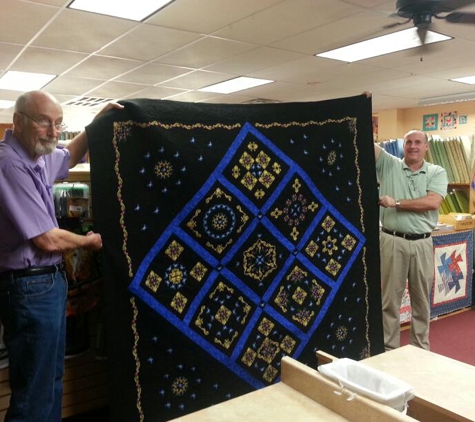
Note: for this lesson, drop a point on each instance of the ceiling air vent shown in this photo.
(89, 101)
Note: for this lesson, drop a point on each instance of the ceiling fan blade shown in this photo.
(461, 17)
(457, 4)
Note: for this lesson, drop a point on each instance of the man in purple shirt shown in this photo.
(33, 287)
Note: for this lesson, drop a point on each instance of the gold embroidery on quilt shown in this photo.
(270, 374)
(174, 250)
(257, 170)
(179, 386)
(135, 354)
(260, 260)
(153, 281)
(219, 221)
(222, 315)
(295, 209)
(179, 302)
(333, 267)
(163, 169)
(330, 245)
(198, 271)
(349, 242)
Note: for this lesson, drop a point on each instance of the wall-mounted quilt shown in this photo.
(233, 235)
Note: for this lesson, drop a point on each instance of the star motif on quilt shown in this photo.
(250, 266)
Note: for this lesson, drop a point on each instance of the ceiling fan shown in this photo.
(421, 13)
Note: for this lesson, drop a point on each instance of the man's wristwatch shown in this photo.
(398, 203)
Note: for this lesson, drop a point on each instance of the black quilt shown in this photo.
(233, 235)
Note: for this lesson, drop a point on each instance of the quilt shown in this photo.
(453, 256)
(233, 235)
(453, 277)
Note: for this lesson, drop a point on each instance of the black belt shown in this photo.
(407, 236)
(31, 271)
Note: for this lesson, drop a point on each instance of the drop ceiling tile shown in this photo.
(57, 3)
(235, 98)
(254, 60)
(286, 19)
(6, 94)
(455, 72)
(22, 20)
(437, 57)
(115, 90)
(205, 52)
(311, 70)
(207, 16)
(197, 79)
(358, 27)
(153, 73)
(191, 96)
(46, 60)
(75, 30)
(100, 67)
(7, 53)
(368, 3)
(426, 90)
(364, 80)
(148, 42)
(385, 102)
(157, 93)
(396, 83)
(278, 91)
(64, 85)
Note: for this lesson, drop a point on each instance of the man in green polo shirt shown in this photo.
(411, 191)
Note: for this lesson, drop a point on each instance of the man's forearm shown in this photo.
(59, 240)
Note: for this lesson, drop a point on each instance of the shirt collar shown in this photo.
(423, 169)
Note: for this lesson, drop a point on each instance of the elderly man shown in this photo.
(33, 287)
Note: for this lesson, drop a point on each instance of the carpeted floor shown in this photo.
(452, 336)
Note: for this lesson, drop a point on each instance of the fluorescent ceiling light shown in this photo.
(24, 81)
(445, 99)
(136, 10)
(6, 104)
(466, 80)
(379, 46)
(234, 85)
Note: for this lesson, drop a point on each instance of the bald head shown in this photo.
(34, 99)
(417, 132)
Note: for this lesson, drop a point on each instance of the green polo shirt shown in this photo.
(397, 180)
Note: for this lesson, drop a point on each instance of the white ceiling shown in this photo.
(194, 43)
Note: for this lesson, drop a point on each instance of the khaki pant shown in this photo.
(402, 260)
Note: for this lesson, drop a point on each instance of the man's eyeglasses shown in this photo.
(45, 123)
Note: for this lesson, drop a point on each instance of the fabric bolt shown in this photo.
(233, 235)
(33, 312)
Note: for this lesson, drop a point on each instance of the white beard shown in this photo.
(41, 149)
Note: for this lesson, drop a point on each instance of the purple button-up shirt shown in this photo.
(26, 203)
